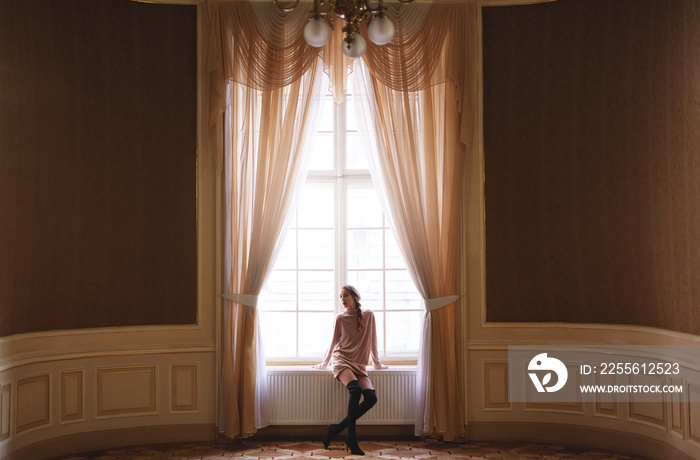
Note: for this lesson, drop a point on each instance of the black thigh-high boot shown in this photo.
(355, 391)
(368, 401)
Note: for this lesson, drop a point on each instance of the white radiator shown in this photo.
(309, 397)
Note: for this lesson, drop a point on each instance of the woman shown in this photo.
(354, 341)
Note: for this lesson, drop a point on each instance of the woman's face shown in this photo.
(346, 299)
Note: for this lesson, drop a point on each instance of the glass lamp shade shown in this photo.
(380, 30)
(317, 32)
(355, 49)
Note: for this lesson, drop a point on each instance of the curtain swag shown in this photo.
(258, 45)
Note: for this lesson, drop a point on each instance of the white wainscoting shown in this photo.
(659, 430)
(55, 405)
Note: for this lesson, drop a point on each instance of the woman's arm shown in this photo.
(334, 342)
(373, 351)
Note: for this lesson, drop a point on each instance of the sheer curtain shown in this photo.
(269, 120)
(417, 167)
(264, 169)
(422, 118)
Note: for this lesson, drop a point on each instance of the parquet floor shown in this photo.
(374, 450)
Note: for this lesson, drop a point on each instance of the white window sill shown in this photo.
(308, 368)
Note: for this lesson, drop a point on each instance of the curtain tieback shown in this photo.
(249, 300)
(439, 302)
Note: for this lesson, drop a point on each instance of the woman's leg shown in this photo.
(347, 377)
(366, 383)
(369, 400)
(369, 396)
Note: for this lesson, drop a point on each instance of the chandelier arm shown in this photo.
(330, 11)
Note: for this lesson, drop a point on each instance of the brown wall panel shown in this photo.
(592, 162)
(97, 164)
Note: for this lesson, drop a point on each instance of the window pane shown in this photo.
(316, 206)
(287, 257)
(355, 156)
(315, 330)
(403, 332)
(352, 113)
(365, 249)
(379, 318)
(327, 118)
(316, 290)
(316, 249)
(370, 284)
(299, 300)
(394, 257)
(279, 291)
(279, 333)
(321, 156)
(401, 293)
(363, 208)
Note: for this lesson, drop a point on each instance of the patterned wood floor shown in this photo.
(374, 450)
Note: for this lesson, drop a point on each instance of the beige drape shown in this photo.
(256, 44)
(264, 168)
(421, 90)
(425, 107)
(418, 169)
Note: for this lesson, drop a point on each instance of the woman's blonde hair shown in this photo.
(356, 297)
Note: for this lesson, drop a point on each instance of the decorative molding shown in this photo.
(72, 396)
(677, 410)
(16, 361)
(184, 388)
(606, 409)
(5, 413)
(571, 407)
(575, 407)
(126, 391)
(693, 412)
(33, 402)
(653, 413)
(495, 385)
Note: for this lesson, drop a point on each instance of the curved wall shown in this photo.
(592, 176)
(547, 231)
(63, 392)
(129, 363)
(98, 128)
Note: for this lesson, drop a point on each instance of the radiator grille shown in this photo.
(315, 397)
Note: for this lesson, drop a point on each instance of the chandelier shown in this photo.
(318, 30)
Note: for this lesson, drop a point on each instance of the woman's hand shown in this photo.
(319, 366)
(381, 366)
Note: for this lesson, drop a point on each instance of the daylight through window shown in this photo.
(338, 235)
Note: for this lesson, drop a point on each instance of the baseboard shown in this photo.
(316, 432)
(110, 439)
(576, 436)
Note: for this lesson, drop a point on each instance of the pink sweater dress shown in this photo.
(351, 348)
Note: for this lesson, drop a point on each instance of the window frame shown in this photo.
(343, 178)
